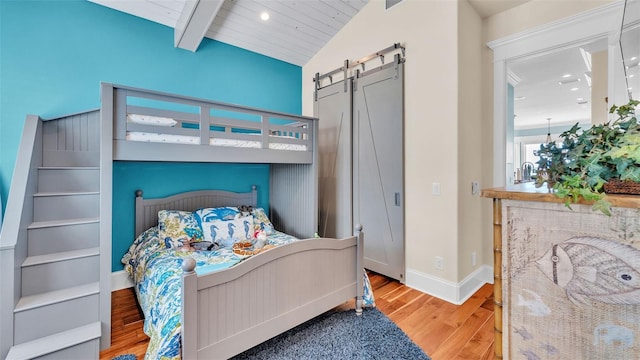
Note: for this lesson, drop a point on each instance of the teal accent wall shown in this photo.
(55, 53)
(155, 180)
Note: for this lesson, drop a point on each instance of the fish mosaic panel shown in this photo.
(571, 282)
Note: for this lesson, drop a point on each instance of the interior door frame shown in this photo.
(601, 22)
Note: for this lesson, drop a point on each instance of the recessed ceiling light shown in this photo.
(566, 76)
(574, 89)
(631, 75)
(264, 16)
(633, 58)
(568, 81)
(520, 98)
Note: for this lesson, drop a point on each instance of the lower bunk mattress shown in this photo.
(157, 275)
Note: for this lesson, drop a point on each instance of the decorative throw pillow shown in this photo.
(175, 228)
(228, 232)
(219, 213)
(261, 221)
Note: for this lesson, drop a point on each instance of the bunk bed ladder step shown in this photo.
(55, 311)
(77, 343)
(63, 235)
(61, 179)
(64, 205)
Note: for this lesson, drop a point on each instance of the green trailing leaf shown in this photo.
(583, 161)
(603, 206)
(631, 173)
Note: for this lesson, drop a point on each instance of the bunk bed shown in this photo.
(226, 310)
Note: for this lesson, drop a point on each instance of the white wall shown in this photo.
(471, 208)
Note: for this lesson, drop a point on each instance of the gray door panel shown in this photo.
(333, 108)
(378, 176)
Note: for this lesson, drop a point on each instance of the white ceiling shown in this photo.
(295, 32)
(487, 8)
(539, 95)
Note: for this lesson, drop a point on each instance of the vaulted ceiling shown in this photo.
(295, 31)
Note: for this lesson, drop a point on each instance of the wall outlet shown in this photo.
(438, 262)
(474, 260)
(435, 189)
(475, 187)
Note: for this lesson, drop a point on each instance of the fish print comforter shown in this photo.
(157, 274)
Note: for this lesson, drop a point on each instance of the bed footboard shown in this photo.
(229, 311)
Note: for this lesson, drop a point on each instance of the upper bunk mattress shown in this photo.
(186, 139)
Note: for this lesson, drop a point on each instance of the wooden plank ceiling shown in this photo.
(294, 32)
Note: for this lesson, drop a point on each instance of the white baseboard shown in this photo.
(120, 280)
(455, 293)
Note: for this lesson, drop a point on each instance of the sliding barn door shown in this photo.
(333, 108)
(378, 171)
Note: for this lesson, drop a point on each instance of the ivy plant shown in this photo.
(579, 166)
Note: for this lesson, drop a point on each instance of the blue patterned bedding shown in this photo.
(157, 273)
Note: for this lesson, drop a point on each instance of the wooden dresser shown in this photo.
(567, 281)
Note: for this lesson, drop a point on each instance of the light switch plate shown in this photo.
(435, 189)
(475, 187)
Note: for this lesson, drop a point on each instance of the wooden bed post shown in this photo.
(189, 309)
(360, 269)
(497, 275)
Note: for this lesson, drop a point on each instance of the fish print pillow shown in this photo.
(218, 213)
(175, 228)
(261, 221)
(228, 232)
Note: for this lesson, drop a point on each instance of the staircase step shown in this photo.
(52, 297)
(60, 256)
(59, 342)
(51, 179)
(50, 272)
(65, 205)
(37, 322)
(69, 168)
(65, 193)
(63, 235)
(63, 222)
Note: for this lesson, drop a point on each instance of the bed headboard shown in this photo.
(147, 209)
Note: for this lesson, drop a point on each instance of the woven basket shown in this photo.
(617, 186)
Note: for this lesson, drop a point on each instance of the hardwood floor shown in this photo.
(443, 330)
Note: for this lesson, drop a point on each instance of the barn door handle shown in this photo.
(397, 199)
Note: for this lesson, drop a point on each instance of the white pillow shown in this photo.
(228, 232)
(151, 120)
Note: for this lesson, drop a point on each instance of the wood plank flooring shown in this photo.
(443, 330)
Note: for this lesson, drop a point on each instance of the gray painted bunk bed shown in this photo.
(56, 239)
(281, 279)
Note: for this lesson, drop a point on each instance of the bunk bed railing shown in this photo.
(13, 235)
(143, 119)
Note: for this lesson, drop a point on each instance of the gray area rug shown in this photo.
(340, 335)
